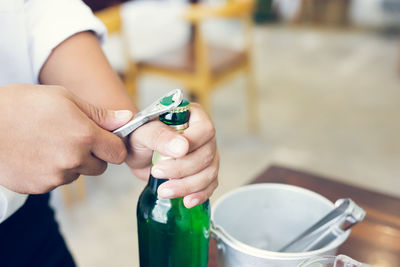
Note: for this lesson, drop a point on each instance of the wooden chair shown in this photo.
(201, 67)
(198, 66)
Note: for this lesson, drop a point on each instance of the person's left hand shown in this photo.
(193, 171)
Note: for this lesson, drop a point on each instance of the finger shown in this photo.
(139, 158)
(108, 147)
(190, 164)
(105, 118)
(199, 197)
(158, 137)
(182, 187)
(201, 129)
(142, 174)
(92, 166)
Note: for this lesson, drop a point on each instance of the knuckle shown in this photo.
(117, 153)
(215, 184)
(86, 135)
(204, 195)
(185, 189)
(210, 128)
(60, 89)
(179, 172)
(57, 180)
(211, 189)
(121, 154)
(74, 163)
(50, 182)
(208, 157)
(213, 174)
(217, 160)
(71, 162)
(97, 114)
(159, 136)
(38, 189)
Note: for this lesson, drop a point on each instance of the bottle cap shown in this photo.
(184, 106)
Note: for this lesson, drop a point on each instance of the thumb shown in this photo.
(105, 118)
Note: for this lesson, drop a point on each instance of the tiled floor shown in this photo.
(329, 103)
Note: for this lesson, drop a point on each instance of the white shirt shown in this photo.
(29, 30)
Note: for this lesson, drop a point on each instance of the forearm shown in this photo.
(79, 65)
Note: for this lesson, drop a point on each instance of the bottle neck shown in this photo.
(178, 119)
(154, 183)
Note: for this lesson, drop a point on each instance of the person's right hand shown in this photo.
(48, 137)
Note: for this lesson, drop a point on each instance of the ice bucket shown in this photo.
(252, 223)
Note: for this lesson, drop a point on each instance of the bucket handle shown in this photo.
(217, 232)
(223, 239)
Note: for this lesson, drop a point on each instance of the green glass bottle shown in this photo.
(170, 235)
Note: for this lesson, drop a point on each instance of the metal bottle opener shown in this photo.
(345, 215)
(152, 111)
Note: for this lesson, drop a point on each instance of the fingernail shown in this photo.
(177, 146)
(157, 172)
(123, 115)
(165, 193)
(191, 203)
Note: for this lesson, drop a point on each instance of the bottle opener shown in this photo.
(152, 111)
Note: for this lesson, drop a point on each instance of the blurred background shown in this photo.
(308, 84)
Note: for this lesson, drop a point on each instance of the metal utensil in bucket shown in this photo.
(252, 223)
(345, 215)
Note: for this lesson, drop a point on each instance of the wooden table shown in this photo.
(376, 240)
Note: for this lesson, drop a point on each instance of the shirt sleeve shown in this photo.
(10, 202)
(50, 22)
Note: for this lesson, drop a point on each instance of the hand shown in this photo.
(194, 169)
(48, 137)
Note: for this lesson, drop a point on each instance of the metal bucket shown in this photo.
(251, 223)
